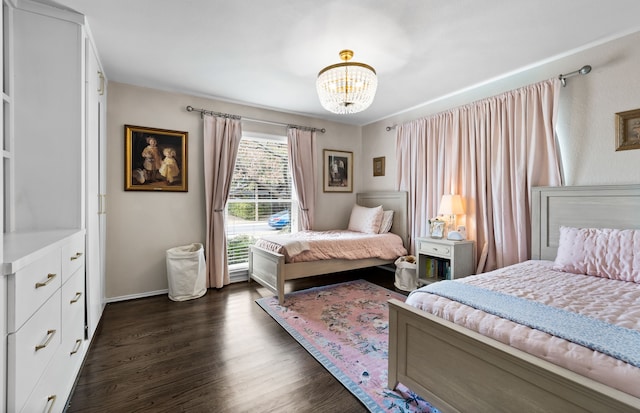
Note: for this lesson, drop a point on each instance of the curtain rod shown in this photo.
(563, 79)
(269, 122)
(582, 71)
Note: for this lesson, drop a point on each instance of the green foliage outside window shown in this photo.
(239, 245)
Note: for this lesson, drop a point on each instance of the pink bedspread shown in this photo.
(617, 302)
(325, 245)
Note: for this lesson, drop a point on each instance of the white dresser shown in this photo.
(51, 286)
(45, 310)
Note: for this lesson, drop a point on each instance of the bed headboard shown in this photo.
(395, 200)
(607, 206)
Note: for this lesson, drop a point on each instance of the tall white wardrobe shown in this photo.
(53, 178)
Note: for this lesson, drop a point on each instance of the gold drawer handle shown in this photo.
(50, 278)
(76, 298)
(51, 399)
(75, 257)
(50, 334)
(77, 347)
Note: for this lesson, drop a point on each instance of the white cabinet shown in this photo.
(53, 199)
(6, 126)
(95, 186)
(45, 318)
(48, 116)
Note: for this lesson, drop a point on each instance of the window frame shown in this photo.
(239, 272)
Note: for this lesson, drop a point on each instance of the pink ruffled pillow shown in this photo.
(603, 252)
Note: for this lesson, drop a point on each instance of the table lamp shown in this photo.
(451, 205)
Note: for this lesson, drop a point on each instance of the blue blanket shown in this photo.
(619, 342)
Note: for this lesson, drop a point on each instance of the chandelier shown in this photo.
(346, 87)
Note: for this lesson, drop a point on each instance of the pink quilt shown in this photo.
(613, 301)
(337, 244)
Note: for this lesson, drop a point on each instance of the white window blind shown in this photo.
(260, 188)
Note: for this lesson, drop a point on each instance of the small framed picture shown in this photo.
(337, 171)
(155, 159)
(628, 130)
(378, 166)
(437, 229)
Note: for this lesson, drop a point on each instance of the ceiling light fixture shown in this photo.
(347, 87)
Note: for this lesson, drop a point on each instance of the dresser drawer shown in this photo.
(72, 256)
(432, 248)
(73, 298)
(30, 350)
(72, 348)
(31, 286)
(49, 393)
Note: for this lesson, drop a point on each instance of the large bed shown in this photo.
(271, 269)
(460, 370)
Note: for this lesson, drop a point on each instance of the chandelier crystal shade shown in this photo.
(347, 87)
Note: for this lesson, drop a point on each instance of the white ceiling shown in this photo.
(267, 53)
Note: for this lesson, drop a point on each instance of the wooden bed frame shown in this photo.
(459, 370)
(270, 270)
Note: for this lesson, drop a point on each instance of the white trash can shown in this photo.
(406, 274)
(186, 272)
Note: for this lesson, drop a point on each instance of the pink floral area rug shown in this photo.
(345, 327)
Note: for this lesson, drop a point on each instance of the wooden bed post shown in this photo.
(280, 282)
(392, 378)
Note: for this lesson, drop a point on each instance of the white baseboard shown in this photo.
(134, 296)
(234, 278)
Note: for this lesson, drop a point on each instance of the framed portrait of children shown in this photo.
(337, 171)
(155, 159)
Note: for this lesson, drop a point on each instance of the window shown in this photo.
(260, 200)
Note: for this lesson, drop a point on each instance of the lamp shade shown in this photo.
(451, 205)
(347, 87)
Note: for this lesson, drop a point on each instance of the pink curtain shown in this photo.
(491, 152)
(221, 140)
(302, 160)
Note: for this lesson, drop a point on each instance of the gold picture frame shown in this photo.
(628, 130)
(155, 159)
(378, 166)
(337, 171)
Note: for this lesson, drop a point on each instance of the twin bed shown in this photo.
(271, 268)
(462, 359)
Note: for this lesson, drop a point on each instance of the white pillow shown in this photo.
(365, 219)
(387, 222)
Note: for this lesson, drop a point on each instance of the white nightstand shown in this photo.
(442, 259)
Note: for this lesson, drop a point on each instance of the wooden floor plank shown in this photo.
(219, 353)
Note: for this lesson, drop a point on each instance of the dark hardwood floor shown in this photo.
(219, 353)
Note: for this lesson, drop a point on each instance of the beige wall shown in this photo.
(586, 132)
(141, 226)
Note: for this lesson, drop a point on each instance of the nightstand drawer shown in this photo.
(437, 250)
